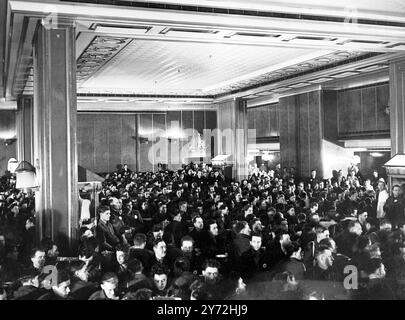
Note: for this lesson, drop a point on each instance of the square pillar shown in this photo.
(397, 106)
(54, 117)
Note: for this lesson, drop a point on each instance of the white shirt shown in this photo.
(85, 210)
(382, 198)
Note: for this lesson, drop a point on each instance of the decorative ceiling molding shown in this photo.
(97, 54)
(317, 63)
(350, 41)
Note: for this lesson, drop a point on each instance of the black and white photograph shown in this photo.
(221, 151)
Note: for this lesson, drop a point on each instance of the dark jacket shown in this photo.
(29, 293)
(295, 266)
(197, 237)
(178, 229)
(394, 208)
(106, 236)
(241, 244)
(82, 290)
(138, 282)
(251, 262)
(345, 242)
(274, 254)
(143, 255)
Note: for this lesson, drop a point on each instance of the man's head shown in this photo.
(396, 190)
(321, 233)
(198, 222)
(294, 250)
(362, 217)
(248, 209)
(105, 213)
(121, 254)
(160, 275)
(140, 241)
(183, 206)
(328, 243)
(159, 248)
(115, 204)
(211, 271)
(256, 241)
(79, 270)
(376, 269)
(157, 231)
(50, 247)
(243, 227)
(381, 186)
(324, 258)
(62, 286)
(213, 227)
(187, 245)
(283, 238)
(355, 227)
(109, 283)
(37, 258)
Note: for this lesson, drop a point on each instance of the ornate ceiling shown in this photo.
(250, 49)
(151, 67)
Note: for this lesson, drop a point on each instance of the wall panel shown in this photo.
(361, 111)
(108, 139)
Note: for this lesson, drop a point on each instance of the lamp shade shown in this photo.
(25, 176)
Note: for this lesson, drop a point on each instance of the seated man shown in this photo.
(51, 251)
(138, 279)
(241, 243)
(294, 264)
(60, 288)
(81, 288)
(109, 285)
(159, 257)
(105, 233)
(276, 251)
(120, 265)
(30, 287)
(138, 251)
(37, 257)
(322, 269)
(194, 256)
(252, 262)
(160, 280)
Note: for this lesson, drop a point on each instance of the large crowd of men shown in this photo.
(192, 234)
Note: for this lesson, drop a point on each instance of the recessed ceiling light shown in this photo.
(345, 74)
(319, 80)
(281, 89)
(376, 154)
(264, 93)
(299, 85)
(372, 68)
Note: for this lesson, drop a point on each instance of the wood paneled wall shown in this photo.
(361, 111)
(108, 139)
(301, 132)
(265, 120)
(7, 131)
(288, 132)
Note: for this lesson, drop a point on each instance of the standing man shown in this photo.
(382, 197)
(394, 207)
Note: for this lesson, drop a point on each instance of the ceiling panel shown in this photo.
(166, 67)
